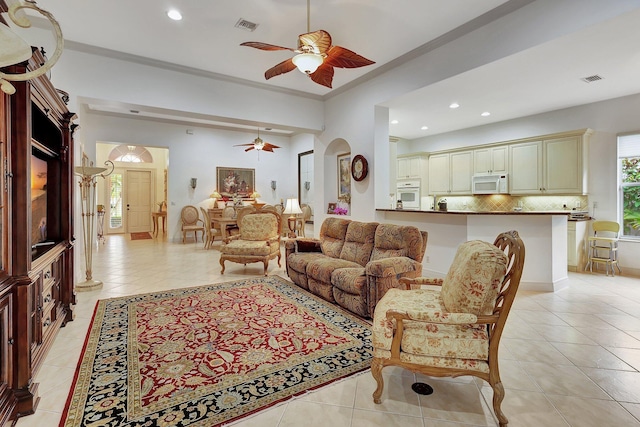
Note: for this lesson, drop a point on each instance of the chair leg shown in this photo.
(266, 265)
(498, 395)
(376, 371)
(222, 264)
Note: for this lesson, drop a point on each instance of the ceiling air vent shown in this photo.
(246, 25)
(592, 79)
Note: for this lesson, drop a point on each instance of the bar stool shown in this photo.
(603, 247)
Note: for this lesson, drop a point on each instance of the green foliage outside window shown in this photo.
(631, 196)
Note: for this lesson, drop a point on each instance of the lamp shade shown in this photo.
(292, 207)
(215, 195)
(307, 63)
(255, 195)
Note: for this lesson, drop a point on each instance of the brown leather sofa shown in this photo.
(354, 263)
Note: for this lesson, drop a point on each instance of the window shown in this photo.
(629, 181)
(130, 154)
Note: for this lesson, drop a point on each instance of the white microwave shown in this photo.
(490, 184)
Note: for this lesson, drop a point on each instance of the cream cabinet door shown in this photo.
(563, 165)
(461, 168)
(439, 174)
(491, 160)
(409, 167)
(525, 168)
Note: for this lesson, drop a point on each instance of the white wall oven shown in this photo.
(409, 193)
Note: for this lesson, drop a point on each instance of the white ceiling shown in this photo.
(380, 30)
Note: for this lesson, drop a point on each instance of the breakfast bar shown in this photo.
(544, 235)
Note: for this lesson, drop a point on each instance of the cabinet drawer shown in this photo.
(49, 315)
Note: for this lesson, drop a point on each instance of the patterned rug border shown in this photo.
(284, 286)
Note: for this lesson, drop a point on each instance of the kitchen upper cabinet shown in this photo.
(563, 171)
(450, 173)
(525, 176)
(491, 160)
(550, 166)
(411, 167)
(439, 173)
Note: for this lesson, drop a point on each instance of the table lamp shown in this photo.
(216, 196)
(292, 208)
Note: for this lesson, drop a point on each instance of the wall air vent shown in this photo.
(592, 79)
(246, 25)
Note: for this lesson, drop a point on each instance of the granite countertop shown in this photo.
(467, 212)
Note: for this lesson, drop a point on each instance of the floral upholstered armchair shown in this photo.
(454, 330)
(257, 241)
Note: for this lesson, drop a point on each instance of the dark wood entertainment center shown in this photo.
(36, 232)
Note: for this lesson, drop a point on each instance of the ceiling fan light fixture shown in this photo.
(307, 63)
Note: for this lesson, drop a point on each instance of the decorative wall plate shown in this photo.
(359, 168)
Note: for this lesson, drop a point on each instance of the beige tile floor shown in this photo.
(569, 358)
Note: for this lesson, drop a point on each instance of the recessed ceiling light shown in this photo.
(454, 105)
(394, 122)
(174, 14)
(424, 127)
(485, 114)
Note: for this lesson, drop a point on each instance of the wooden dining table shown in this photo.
(222, 224)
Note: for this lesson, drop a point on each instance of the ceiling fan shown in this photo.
(258, 144)
(316, 56)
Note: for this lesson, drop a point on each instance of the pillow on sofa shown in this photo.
(358, 242)
(332, 235)
(474, 278)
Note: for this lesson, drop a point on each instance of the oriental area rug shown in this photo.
(209, 355)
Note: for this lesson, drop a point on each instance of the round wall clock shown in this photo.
(359, 168)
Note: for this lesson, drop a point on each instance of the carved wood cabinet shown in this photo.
(36, 233)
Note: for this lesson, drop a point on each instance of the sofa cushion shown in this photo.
(397, 240)
(320, 269)
(298, 261)
(358, 242)
(332, 234)
(350, 280)
(473, 281)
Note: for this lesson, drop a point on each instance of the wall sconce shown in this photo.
(273, 185)
(307, 185)
(194, 182)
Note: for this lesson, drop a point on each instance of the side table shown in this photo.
(155, 216)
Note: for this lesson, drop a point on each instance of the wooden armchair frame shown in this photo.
(509, 242)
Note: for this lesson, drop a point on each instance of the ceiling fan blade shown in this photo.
(341, 57)
(250, 148)
(283, 67)
(241, 145)
(323, 75)
(266, 148)
(268, 144)
(265, 46)
(319, 40)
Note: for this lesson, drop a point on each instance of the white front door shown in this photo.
(138, 194)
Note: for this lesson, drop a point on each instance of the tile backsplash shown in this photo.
(505, 202)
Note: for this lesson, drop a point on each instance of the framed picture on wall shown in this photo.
(344, 175)
(331, 207)
(235, 180)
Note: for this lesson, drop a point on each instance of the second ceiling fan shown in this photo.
(316, 56)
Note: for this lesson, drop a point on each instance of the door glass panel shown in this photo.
(115, 206)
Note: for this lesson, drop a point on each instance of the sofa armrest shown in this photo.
(393, 266)
(302, 244)
(383, 274)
